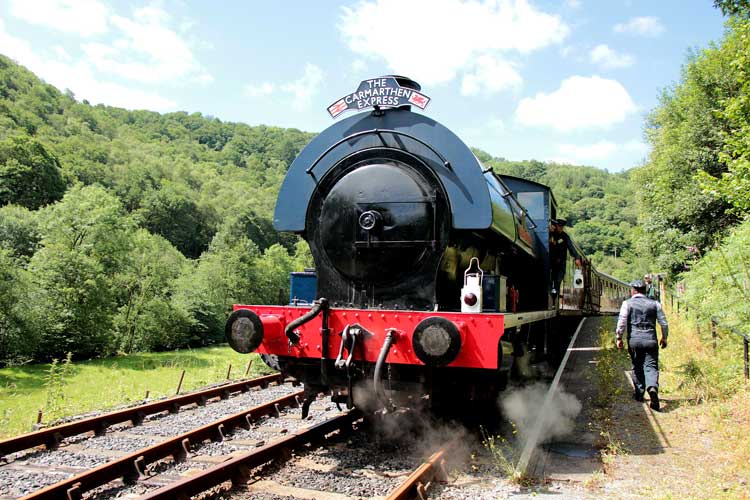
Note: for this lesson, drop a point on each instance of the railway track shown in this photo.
(51, 437)
(149, 472)
(133, 466)
(238, 469)
(419, 482)
(268, 472)
(262, 452)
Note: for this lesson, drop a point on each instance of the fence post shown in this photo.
(678, 306)
(179, 384)
(713, 332)
(671, 302)
(229, 371)
(747, 361)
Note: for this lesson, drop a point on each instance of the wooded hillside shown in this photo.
(130, 230)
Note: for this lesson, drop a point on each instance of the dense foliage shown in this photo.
(719, 284)
(695, 186)
(125, 230)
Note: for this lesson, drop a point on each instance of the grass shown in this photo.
(608, 369)
(697, 447)
(66, 388)
(715, 395)
(694, 370)
(606, 376)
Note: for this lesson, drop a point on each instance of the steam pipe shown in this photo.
(325, 333)
(317, 307)
(390, 337)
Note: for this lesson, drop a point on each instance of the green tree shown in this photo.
(718, 284)
(29, 175)
(244, 221)
(733, 185)
(687, 132)
(85, 238)
(19, 231)
(739, 8)
(18, 336)
(147, 319)
(224, 275)
(171, 213)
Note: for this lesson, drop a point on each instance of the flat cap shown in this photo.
(638, 284)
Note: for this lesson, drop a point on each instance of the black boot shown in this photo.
(654, 395)
(638, 396)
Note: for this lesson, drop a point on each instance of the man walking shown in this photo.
(638, 317)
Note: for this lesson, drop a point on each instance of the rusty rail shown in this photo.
(133, 466)
(419, 481)
(52, 436)
(237, 469)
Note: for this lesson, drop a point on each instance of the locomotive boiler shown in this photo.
(431, 275)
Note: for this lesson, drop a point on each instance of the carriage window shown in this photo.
(534, 203)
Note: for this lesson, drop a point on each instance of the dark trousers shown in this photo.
(644, 355)
(558, 274)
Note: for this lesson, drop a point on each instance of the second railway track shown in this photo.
(93, 441)
(265, 458)
(51, 437)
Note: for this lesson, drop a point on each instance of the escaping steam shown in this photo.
(415, 427)
(525, 407)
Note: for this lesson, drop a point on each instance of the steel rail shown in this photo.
(531, 446)
(419, 481)
(133, 466)
(52, 436)
(237, 470)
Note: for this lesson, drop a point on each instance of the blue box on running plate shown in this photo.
(302, 287)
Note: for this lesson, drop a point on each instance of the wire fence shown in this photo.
(683, 307)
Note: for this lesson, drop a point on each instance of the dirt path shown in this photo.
(680, 452)
(621, 449)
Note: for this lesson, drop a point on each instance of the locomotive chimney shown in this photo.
(405, 82)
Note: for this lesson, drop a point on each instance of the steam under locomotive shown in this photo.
(432, 273)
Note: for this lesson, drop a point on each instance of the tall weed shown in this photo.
(693, 381)
(55, 382)
(504, 457)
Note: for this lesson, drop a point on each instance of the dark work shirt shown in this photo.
(561, 244)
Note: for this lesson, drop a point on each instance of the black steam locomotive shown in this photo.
(433, 273)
